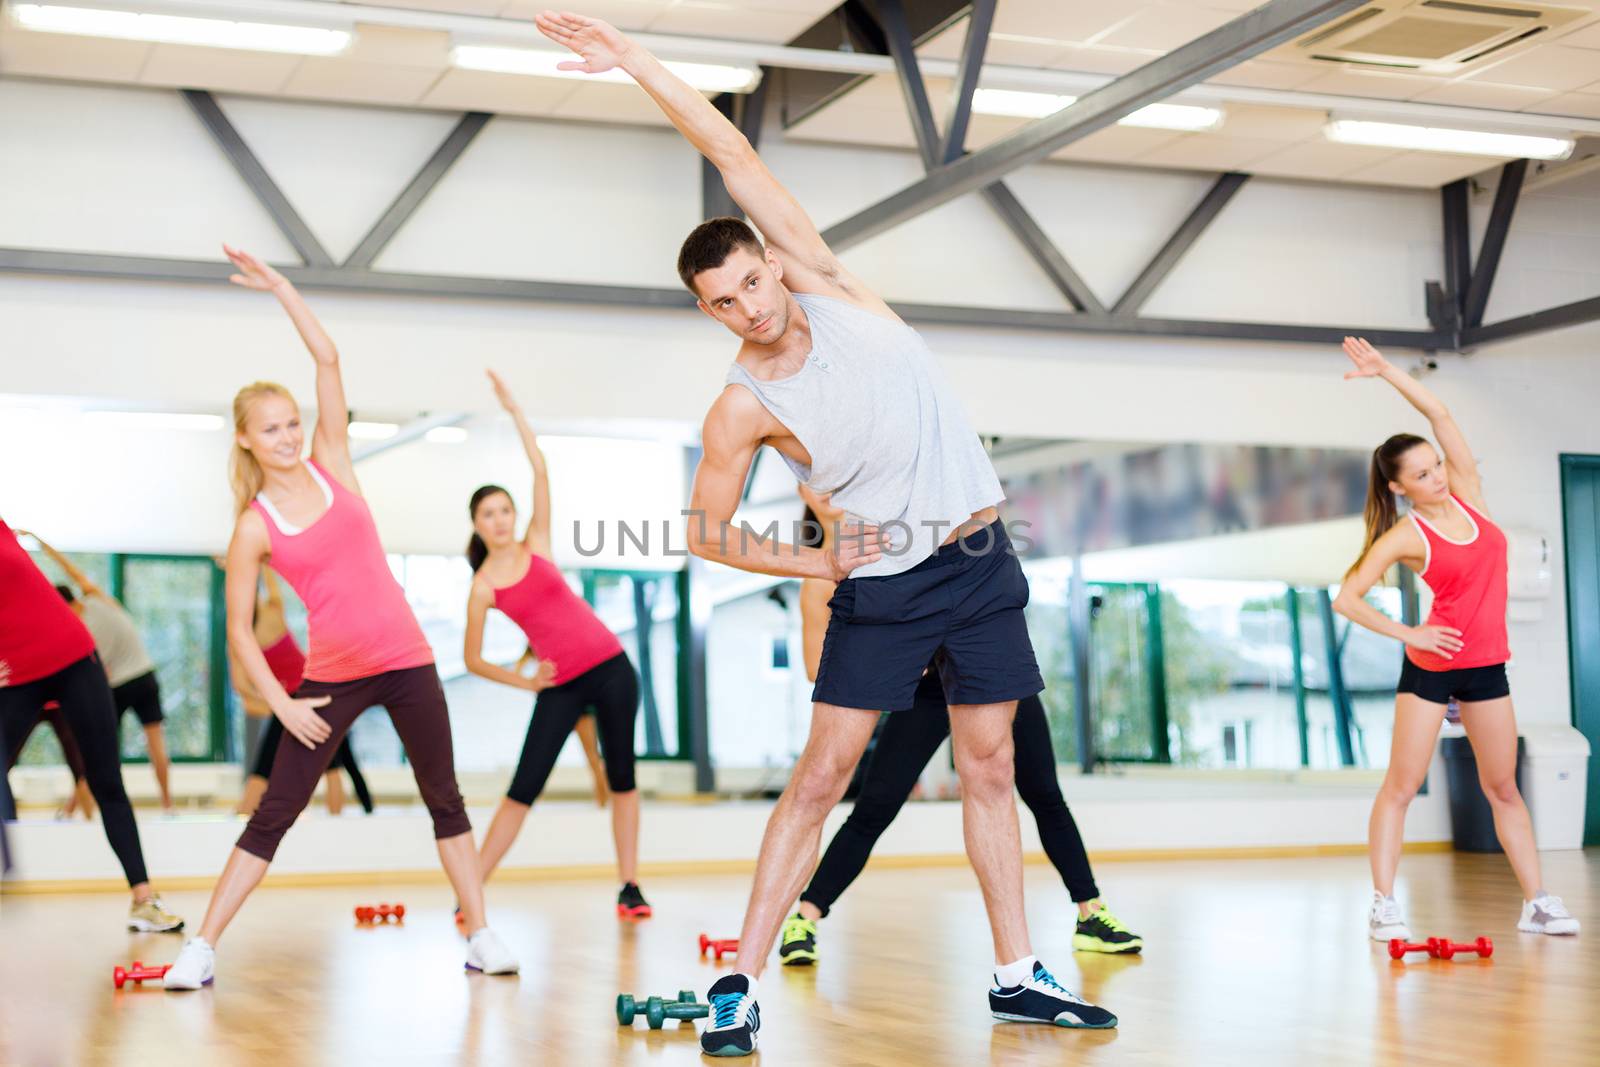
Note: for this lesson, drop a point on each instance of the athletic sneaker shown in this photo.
(487, 953)
(631, 903)
(194, 967)
(1546, 914)
(1386, 921)
(1042, 999)
(798, 945)
(735, 1018)
(152, 917)
(1104, 932)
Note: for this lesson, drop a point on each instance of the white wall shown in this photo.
(1281, 251)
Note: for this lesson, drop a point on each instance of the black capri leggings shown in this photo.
(345, 757)
(416, 705)
(85, 698)
(612, 690)
(908, 740)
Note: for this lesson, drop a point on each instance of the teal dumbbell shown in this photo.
(658, 1010)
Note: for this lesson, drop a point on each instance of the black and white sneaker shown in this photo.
(735, 1018)
(1041, 999)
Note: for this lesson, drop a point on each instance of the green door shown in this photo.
(1580, 503)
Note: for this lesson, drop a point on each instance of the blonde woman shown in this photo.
(309, 518)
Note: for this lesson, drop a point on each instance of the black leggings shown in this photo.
(17, 739)
(85, 699)
(908, 740)
(267, 751)
(612, 690)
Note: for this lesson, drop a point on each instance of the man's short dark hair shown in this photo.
(709, 245)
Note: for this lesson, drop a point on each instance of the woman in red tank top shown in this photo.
(1460, 652)
(581, 664)
(366, 648)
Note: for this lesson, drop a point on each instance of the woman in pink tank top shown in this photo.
(581, 664)
(1460, 652)
(310, 521)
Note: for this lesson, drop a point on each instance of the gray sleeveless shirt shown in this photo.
(884, 431)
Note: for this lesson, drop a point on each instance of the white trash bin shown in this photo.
(1555, 779)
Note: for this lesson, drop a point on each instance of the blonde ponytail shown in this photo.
(244, 473)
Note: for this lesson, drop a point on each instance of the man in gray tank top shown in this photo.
(829, 377)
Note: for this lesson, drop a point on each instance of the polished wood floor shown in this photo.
(1248, 962)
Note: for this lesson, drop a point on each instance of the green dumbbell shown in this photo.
(658, 1010)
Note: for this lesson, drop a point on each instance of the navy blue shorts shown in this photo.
(965, 600)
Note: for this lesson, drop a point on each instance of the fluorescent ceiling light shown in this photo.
(180, 29)
(1444, 139)
(706, 77)
(445, 435)
(1016, 103)
(373, 431)
(154, 420)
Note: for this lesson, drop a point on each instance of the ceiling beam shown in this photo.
(1225, 47)
(265, 190)
(417, 190)
(1506, 195)
(1178, 245)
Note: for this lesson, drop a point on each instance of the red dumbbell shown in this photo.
(366, 913)
(1443, 948)
(1399, 948)
(138, 974)
(728, 945)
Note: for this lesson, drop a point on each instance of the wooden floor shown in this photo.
(1248, 962)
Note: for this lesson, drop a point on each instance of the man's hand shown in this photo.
(600, 44)
(857, 546)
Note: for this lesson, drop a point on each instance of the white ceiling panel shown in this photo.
(512, 94)
(1379, 84)
(1091, 59)
(454, 7)
(1587, 37)
(1548, 67)
(734, 21)
(1583, 105)
(1320, 159)
(1425, 169)
(1486, 95)
(1117, 144)
(225, 69)
(1164, 27)
(623, 14)
(338, 78)
(1284, 124)
(1265, 74)
(53, 55)
(610, 103)
(1210, 151)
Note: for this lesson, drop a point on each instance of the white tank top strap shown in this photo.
(285, 527)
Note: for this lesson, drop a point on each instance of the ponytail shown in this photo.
(477, 551)
(244, 473)
(1382, 512)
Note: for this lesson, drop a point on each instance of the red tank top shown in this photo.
(1468, 579)
(39, 634)
(358, 620)
(288, 663)
(560, 625)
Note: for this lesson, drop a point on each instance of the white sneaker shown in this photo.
(194, 967)
(1386, 921)
(1546, 914)
(487, 953)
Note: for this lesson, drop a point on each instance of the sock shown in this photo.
(1011, 975)
(751, 979)
(1538, 896)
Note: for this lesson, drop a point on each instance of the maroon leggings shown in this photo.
(415, 702)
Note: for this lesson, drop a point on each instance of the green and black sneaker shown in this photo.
(798, 947)
(1104, 932)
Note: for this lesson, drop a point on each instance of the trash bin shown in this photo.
(1471, 818)
(1557, 775)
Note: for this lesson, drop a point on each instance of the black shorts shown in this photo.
(1468, 685)
(140, 695)
(965, 600)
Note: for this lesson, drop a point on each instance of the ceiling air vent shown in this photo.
(1444, 37)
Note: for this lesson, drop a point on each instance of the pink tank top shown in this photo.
(358, 620)
(560, 625)
(1468, 579)
(288, 663)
